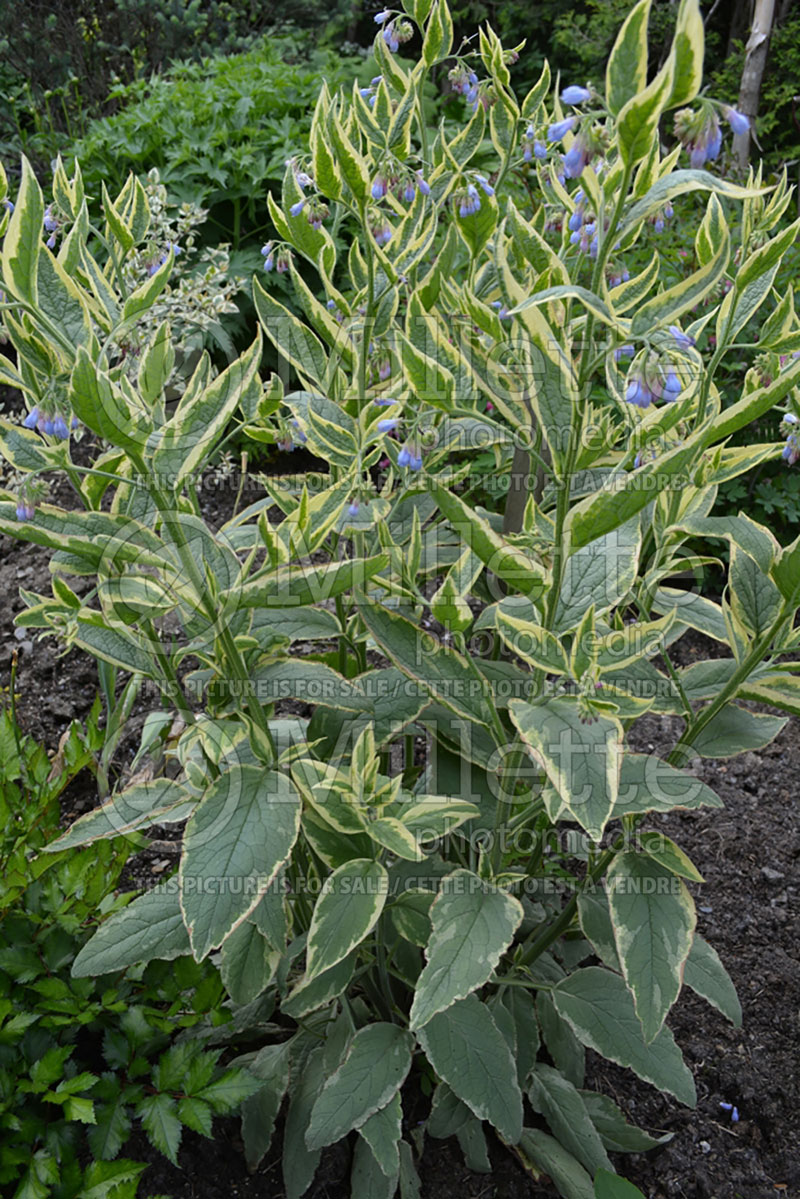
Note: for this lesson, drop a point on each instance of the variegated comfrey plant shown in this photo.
(473, 918)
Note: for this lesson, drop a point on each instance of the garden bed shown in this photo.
(749, 855)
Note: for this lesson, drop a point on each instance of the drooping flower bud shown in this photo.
(575, 95)
(672, 386)
(638, 393)
(682, 339)
(738, 121)
(559, 128)
(31, 419)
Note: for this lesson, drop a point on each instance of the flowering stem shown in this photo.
(236, 663)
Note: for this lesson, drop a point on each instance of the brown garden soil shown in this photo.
(749, 855)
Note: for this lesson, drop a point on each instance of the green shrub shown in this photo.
(476, 920)
(81, 1059)
(59, 60)
(218, 131)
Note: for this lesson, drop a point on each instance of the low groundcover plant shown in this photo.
(478, 919)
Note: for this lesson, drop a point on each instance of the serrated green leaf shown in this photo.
(150, 927)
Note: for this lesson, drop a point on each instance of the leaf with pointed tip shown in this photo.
(706, 975)
(467, 1050)
(473, 925)
(239, 836)
(150, 927)
(346, 911)
(654, 918)
(599, 1008)
(374, 1068)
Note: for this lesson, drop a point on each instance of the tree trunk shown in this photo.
(754, 63)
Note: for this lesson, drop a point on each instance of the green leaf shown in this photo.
(103, 1179)
(112, 1128)
(260, 1111)
(102, 407)
(310, 994)
(187, 441)
(367, 1179)
(507, 561)
(582, 761)
(626, 71)
(346, 911)
(637, 121)
(754, 598)
(150, 927)
(235, 843)
(161, 1124)
(467, 1050)
(678, 183)
(611, 1186)
(294, 587)
(601, 573)
(649, 784)
(545, 1153)
(382, 1133)
(293, 339)
(158, 802)
(562, 1106)
(23, 239)
(247, 963)
(375, 1066)
(735, 730)
(227, 1092)
(300, 1163)
(563, 1046)
(599, 1008)
(706, 975)
(666, 307)
(654, 919)
(442, 672)
(79, 1109)
(688, 46)
(616, 1133)
(473, 925)
(438, 35)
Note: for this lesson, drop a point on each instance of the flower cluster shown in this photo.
(533, 147)
(700, 133)
(660, 382)
(464, 82)
(394, 31)
(51, 226)
(51, 424)
(155, 264)
(370, 93)
(410, 456)
(279, 259)
(791, 451)
(469, 201)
